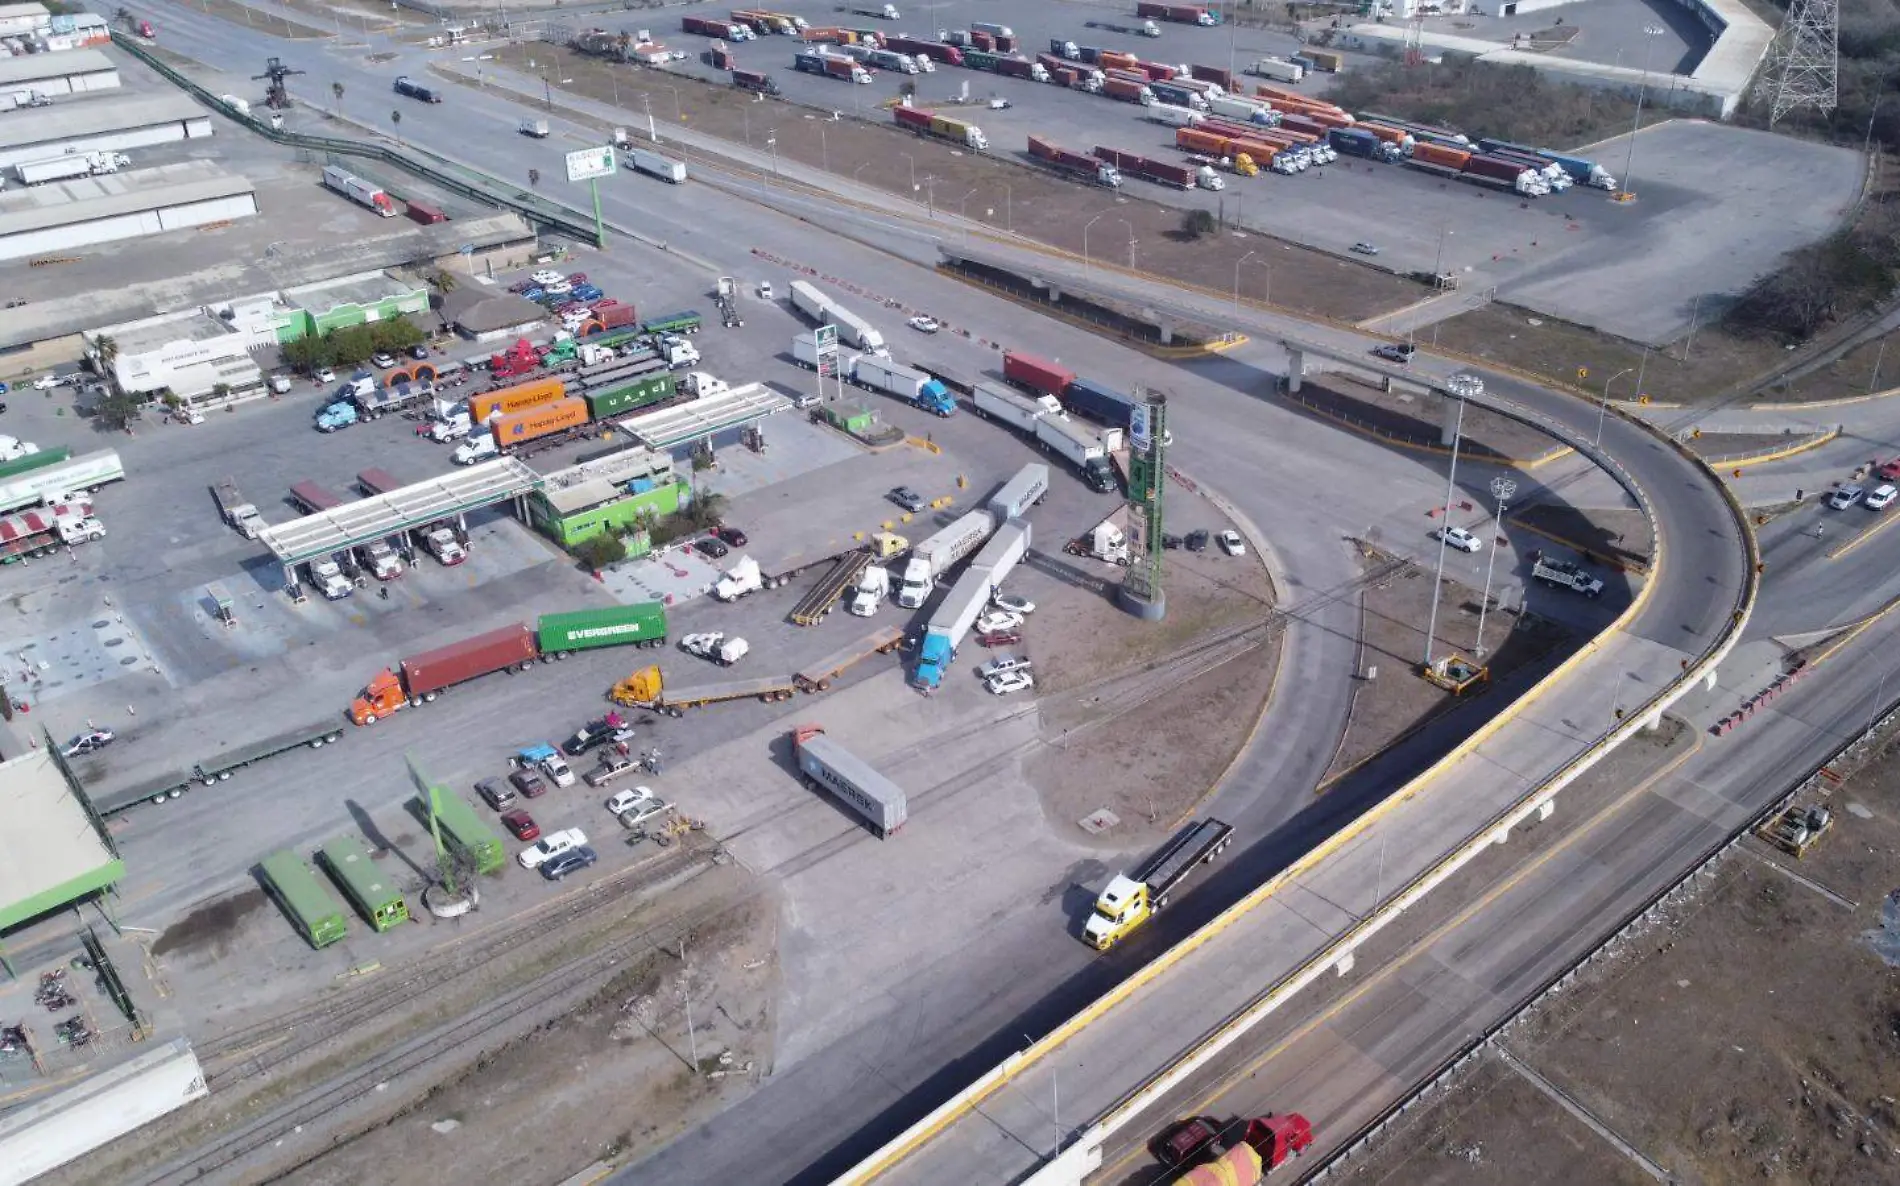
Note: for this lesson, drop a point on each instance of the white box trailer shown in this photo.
(46, 485)
(1020, 493)
(44, 1134)
(857, 331)
(855, 783)
(655, 165)
(995, 402)
(814, 304)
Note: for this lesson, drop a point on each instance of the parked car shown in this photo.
(383, 359)
(1170, 542)
(630, 799)
(1196, 540)
(731, 535)
(924, 325)
(528, 783)
(1010, 603)
(765, 290)
(595, 732)
(612, 766)
(999, 638)
(1232, 544)
(521, 286)
(550, 846)
(998, 620)
(1364, 248)
(1845, 497)
(710, 546)
(325, 375)
(1881, 498)
(1458, 537)
(907, 498)
(419, 353)
(577, 277)
(571, 861)
(643, 811)
(496, 793)
(1002, 665)
(1012, 681)
(521, 825)
(91, 741)
(47, 382)
(545, 277)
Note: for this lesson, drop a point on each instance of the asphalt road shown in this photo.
(1026, 981)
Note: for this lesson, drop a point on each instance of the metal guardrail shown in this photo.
(457, 179)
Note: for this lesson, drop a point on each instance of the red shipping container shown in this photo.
(426, 214)
(434, 670)
(1036, 374)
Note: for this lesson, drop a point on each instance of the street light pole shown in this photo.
(1237, 267)
(1501, 489)
(1131, 242)
(1085, 240)
(1650, 33)
(1463, 386)
(913, 170)
(1603, 408)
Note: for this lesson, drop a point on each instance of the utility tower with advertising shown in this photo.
(1142, 594)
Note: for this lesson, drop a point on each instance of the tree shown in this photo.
(707, 508)
(336, 91)
(443, 281)
(106, 350)
(1196, 223)
(395, 117)
(118, 409)
(600, 551)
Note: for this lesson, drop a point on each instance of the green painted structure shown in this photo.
(348, 862)
(313, 910)
(641, 624)
(465, 831)
(569, 526)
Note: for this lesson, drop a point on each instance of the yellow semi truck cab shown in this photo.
(1128, 901)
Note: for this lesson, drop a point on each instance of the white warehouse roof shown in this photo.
(28, 68)
(66, 208)
(90, 117)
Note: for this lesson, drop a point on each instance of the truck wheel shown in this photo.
(369, 718)
(1161, 903)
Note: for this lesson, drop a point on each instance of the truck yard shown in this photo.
(694, 810)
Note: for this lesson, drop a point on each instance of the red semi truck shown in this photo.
(1237, 1153)
(426, 676)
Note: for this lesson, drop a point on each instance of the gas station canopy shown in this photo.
(415, 505)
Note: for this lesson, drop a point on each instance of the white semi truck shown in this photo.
(934, 557)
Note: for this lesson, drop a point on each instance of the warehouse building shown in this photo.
(72, 73)
(101, 125)
(485, 314)
(350, 300)
(44, 221)
(21, 20)
(611, 493)
(55, 851)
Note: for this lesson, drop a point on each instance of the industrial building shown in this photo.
(31, 29)
(484, 314)
(608, 494)
(51, 75)
(55, 851)
(22, 20)
(65, 216)
(350, 300)
(101, 124)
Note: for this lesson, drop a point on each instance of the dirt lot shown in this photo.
(474, 1045)
(1752, 1039)
(1411, 420)
(1556, 350)
(1867, 368)
(1197, 673)
(1392, 638)
(1620, 537)
(1034, 203)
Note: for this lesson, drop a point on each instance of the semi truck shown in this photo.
(1162, 172)
(831, 767)
(1020, 493)
(378, 402)
(887, 59)
(707, 26)
(876, 373)
(1582, 171)
(1185, 14)
(237, 510)
(1074, 164)
(1129, 900)
(421, 678)
(935, 556)
(39, 531)
(1038, 376)
(410, 88)
(646, 688)
(1128, 91)
(883, 12)
(935, 51)
(951, 623)
(1008, 65)
(752, 80)
(1174, 117)
(655, 165)
(852, 329)
(1278, 69)
(1104, 541)
(832, 66)
(1178, 96)
(312, 498)
(1013, 408)
(929, 123)
(1144, 29)
(1567, 575)
(1099, 402)
(61, 483)
(65, 168)
(1081, 447)
(1235, 1153)
(359, 191)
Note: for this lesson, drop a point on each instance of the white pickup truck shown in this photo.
(1570, 576)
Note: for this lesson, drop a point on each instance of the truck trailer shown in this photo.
(819, 676)
(1074, 164)
(642, 624)
(1129, 901)
(646, 688)
(1039, 376)
(39, 532)
(935, 556)
(929, 123)
(236, 510)
(1013, 408)
(57, 483)
(951, 623)
(65, 168)
(830, 766)
(423, 677)
(1020, 493)
(1081, 446)
(876, 373)
(655, 165)
(359, 191)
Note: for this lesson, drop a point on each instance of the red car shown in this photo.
(577, 277)
(606, 303)
(521, 825)
(1000, 638)
(731, 535)
(1889, 470)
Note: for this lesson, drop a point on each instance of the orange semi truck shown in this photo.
(426, 676)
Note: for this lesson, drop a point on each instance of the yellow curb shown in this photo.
(1748, 459)
(1585, 549)
(1557, 455)
(1390, 967)
(1853, 632)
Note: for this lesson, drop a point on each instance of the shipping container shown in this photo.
(316, 914)
(518, 428)
(1099, 402)
(1020, 493)
(444, 667)
(368, 889)
(515, 398)
(1036, 374)
(1219, 75)
(426, 214)
(1326, 60)
(1128, 92)
(1439, 154)
(1486, 166)
(853, 781)
(642, 624)
(643, 392)
(313, 498)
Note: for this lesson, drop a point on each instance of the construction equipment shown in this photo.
(1796, 829)
(812, 608)
(276, 94)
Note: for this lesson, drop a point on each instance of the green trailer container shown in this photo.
(613, 339)
(464, 831)
(311, 908)
(623, 625)
(648, 389)
(33, 461)
(686, 321)
(349, 864)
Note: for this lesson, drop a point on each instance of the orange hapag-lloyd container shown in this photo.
(516, 428)
(514, 399)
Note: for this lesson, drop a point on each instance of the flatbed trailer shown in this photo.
(818, 677)
(646, 689)
(1131, 899)
(812, 608)
(382, 401)
(314, 735)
